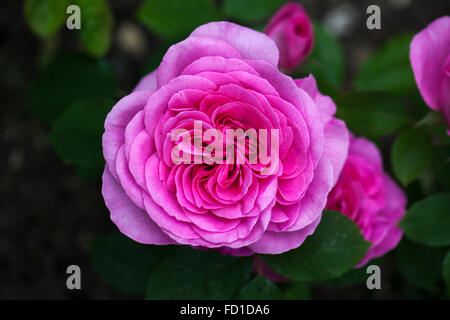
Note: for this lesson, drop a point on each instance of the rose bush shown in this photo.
(430, 60)
(292, 30)
(370, 198)
(225, 76)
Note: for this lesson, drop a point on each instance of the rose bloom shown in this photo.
(227, 77)
(293, 33)
(430, 60)
(369, 197)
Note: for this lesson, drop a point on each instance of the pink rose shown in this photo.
(293, 33)
(369, 197)
(224, 76)
(430, 60)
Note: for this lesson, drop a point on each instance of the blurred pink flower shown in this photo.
(293, 33)
(430, 60)
(368, 196)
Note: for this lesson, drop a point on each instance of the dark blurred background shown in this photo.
(48, 214)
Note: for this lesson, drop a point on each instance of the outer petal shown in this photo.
(337, 139)
(324, 103)
(390, 241)
(182, 54)
(367, 150)
(116, 122)
(251, 44)
(445, 93)
(279, 242)
(148, 82)
(315, 199)
(396, 204)
(428, 52)
(131, 221)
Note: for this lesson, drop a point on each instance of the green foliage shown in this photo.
(348, 279)
(196, 274)
(389, 68)
(155, 59)
(441, 165)
(77, 135)
(70, 78)
(74, 94)
(326, 61)
(45, 17)
(420, 265)
(176, 18)
(335, 247)
(251, 10)
(260, 288)
(428, 221)
(447, 273)
(96, 25)
(372, 114)
(411, 155)
(125, 264)
(297, 291)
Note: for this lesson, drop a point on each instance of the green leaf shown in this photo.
(45, 17)
(447, 272)
(420, 265)
(77, 135)
(441, 165)
(389, 68)
(125, 264)
(372, 114)
(335, 247)
(70, 79)
(348, 279)
(326, 62)
(89, 173)
(260, 288)
(411, 155)
(154, 60)
(297, 291)
(428, 221)
(96, 26)
(176, 18)
(195, 274)
(251, 10)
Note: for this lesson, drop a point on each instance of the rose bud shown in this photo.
(293, 33)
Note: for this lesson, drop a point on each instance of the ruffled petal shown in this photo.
(279, 242)
(131, 220)
(148, 82)
(428, 51)
(251, 44)
(116, 122)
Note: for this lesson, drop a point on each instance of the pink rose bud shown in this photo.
(430, 60)
(293, 33)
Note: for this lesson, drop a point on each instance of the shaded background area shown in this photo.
(48, 214)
